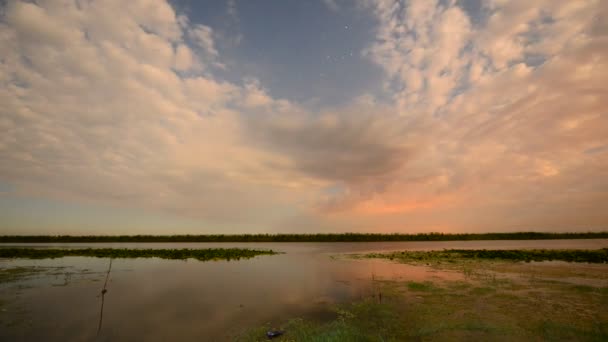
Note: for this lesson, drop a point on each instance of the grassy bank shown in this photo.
(366, 320)
(348, 237)
(120, 253)
(530, 302)
(453, 255)
(460, 311)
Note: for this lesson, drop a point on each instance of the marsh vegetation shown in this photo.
(124, 253)
(520, 301)
(453, 255)
(462, 311)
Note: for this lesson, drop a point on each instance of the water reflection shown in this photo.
(154, 299)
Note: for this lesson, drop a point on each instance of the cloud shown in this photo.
(94, 111)
(490, 121)
(203, 37)
(332, 5)
(359, 149)
(518, 93)
(232, 10)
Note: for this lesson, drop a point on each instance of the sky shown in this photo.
(381, 116)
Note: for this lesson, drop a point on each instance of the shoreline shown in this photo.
(553, 302)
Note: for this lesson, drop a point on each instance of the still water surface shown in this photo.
(167, 300)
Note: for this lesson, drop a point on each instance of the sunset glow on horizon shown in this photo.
(379, 116)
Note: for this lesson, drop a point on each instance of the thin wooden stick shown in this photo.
(103, 293)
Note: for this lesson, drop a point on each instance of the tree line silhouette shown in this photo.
(345, 237)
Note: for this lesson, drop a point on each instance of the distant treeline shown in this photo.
(348, 237)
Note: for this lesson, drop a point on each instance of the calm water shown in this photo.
(165, 300)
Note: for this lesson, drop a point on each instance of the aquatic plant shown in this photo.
(124, 253)
(17, 273)
(451, 255)
(347, 237)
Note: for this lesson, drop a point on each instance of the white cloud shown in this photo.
(419, 45)
(92, 110)
(96, 107)
(203, 37)
(507, 132)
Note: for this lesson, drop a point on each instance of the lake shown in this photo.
(167, 300)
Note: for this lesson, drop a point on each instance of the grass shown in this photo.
(124, 253)
(568, 332)
(426, 286)
(439, 316)
(480, 309)
(541, 304)
(455, 255)
(346, 237)
(365, 320)
(480, 291)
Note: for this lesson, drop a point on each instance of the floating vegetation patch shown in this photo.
(453, 255)
(17, 273)
(124, 253)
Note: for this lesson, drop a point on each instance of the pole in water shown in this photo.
(103, 293)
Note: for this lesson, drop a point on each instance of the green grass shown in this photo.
(366, 320)
(123, 253)
(449, 310)
(586, 288)
(480, 291)
(552, 331)
(454, 255)
(426, 286)
(542, 305)
(346, 237)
